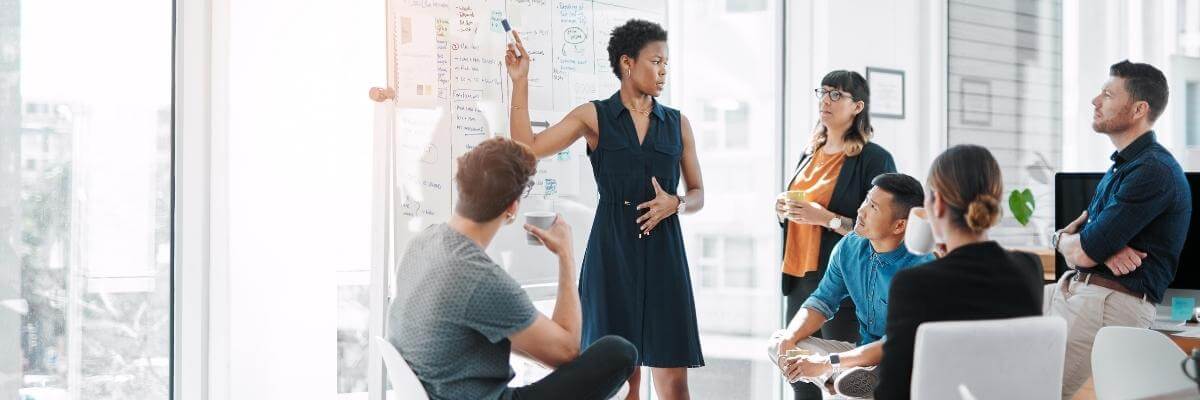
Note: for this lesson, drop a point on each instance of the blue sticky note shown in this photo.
(1181, 308)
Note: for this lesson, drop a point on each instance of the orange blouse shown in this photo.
(803, 245)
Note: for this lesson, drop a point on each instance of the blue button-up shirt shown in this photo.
(1143, 202)
(858, 272)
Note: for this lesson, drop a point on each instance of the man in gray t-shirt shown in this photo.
(457, 316)
(454, 313)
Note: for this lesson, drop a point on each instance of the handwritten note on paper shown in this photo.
(574, 69)
(423, 165)
(416, 61)
(531, 18)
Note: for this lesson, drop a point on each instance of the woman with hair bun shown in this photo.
(976, 279)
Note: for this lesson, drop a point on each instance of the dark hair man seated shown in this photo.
(861, 267)
(457, 315)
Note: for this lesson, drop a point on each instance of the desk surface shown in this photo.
(1046, 254)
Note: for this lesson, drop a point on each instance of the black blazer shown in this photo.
(853, 183)
(973, 282)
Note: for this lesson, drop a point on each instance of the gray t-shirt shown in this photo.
(452, 315)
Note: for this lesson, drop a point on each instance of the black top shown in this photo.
(1143, 202)
(973, 282)
(853, 183)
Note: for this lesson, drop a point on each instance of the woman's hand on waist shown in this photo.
(662, 206)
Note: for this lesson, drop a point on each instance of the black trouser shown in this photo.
(843, 326)
(596, 374)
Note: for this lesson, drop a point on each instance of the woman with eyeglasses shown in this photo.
(835, 174)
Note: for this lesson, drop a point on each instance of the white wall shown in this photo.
(906, 35)
(298, 164)
(1096, 35)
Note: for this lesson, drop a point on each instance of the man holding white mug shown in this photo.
(860, 267)
(457, 315)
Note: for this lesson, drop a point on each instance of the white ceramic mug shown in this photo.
(918, 237)
(540, 219)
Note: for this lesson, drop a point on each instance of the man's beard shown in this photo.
(1118, 123)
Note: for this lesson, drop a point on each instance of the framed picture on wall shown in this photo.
(887, 92)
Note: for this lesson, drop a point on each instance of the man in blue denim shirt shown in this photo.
(861, 267)
(1136, 223)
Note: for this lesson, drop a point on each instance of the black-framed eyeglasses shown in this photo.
(834, 95)
(527, 189)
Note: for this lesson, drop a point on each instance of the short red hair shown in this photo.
(491, 176)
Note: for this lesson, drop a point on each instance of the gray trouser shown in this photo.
(1087, 308)
(816, 346)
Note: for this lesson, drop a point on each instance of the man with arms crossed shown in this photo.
(1135, 224)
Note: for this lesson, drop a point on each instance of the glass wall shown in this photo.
(1005, 93)
(85, 204)
(723, 75)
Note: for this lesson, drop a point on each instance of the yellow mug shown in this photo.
(796, 195)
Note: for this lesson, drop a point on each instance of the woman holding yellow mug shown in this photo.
(829, 183)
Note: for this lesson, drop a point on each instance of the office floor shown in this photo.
(1087, 392)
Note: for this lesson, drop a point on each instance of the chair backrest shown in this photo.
(404, 381)
(1129, 363)
(1018, 358)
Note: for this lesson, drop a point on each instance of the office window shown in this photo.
(726, 262)
(85, 280)
(1187, 24)
(733, 242)
(1005, 93)
(1192, 117)
(707, 266)
(722, 123)
(737, 126)
(739, 262)
(739, 6)
(352, 336)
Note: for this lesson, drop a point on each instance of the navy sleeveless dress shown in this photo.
(632, 285)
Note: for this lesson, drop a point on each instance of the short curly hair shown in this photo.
(630, 38)
(491, 176)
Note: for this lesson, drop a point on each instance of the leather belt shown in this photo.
(1105, 282)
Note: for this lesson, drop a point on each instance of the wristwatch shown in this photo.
(1055, 239)
(682, 205)
(835, 361)
(835, 223)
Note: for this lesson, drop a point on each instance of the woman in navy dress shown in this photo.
(635, 281)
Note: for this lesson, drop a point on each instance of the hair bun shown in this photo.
(982, 213)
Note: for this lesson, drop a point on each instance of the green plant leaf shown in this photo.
(1021, 203)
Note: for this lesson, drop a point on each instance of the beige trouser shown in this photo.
(816, 346)
(1087, 308)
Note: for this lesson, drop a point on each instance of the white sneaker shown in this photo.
(857, 382)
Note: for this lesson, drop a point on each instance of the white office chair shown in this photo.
(404, 382)
(1018, 358)
(1133, 363)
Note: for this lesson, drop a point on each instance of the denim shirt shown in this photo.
(857, 271)
(1143, 202)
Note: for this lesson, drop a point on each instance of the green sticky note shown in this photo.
(1181, 308)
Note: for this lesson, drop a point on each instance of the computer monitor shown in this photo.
(1072, 194)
